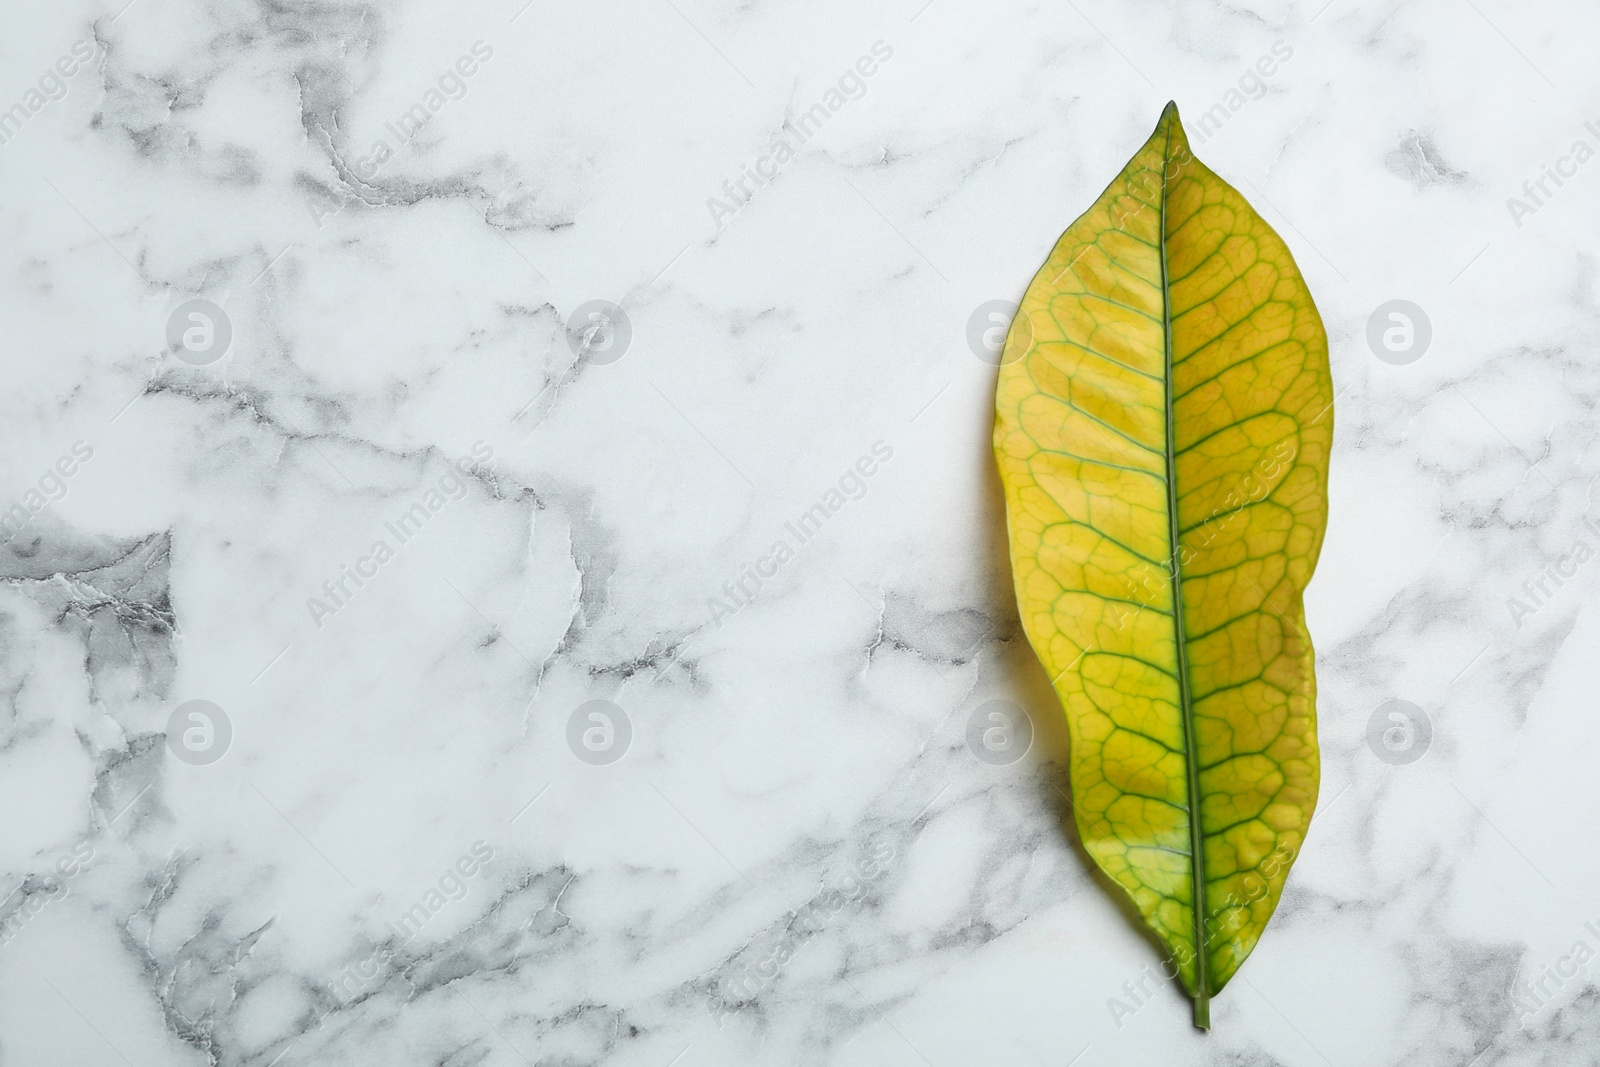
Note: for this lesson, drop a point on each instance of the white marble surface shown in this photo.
(797, 860)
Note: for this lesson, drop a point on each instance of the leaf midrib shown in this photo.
(1202, 992)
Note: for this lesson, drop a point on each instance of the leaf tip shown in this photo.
(1172, 125)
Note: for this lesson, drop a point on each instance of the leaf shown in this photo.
(1164, 398)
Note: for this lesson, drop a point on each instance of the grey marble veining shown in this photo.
(401, 666)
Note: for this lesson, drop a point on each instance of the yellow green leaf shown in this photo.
(1162, 424)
